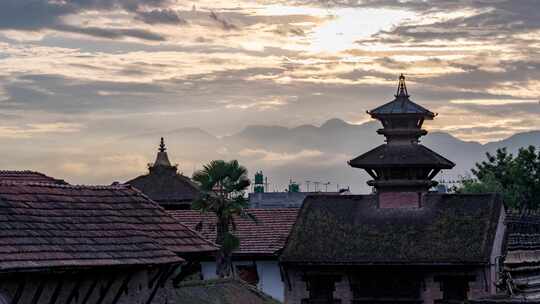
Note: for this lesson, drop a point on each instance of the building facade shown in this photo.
(256, 260)
(403, 243)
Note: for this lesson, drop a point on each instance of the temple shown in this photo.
(402, 164)
(403, 243)
(164, 185)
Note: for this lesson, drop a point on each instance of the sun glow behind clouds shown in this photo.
(347, 25)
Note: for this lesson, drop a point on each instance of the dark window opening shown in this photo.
(248, 273)
(321, 290)
(454, 288)
(385, 288)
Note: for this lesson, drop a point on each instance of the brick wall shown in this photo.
(399, 200)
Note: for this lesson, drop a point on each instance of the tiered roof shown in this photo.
(264, 237)
(402, 161)
(61, 226)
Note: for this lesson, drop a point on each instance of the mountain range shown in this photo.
(320, 153)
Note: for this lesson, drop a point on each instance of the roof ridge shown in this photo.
(54, 185)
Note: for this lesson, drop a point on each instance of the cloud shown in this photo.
(161, 16)
(111, 33)
(33, 129)
(34, 15)
(225, 24)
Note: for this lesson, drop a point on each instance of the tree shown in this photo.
(223, 186)
(516, 178)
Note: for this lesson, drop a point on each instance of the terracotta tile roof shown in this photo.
(28, 176)
(223, 291)
(265, 237)
(46, 225)
(351, 230)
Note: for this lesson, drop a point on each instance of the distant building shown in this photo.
(256, 261)
(89, 244)
(281, 199)
(401, 244)
(27, 176)
(164, 185)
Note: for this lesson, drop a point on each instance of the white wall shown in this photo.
(269, 276)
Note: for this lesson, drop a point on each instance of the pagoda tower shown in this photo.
(402, 164)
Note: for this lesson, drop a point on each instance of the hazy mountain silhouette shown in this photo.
(314, 153)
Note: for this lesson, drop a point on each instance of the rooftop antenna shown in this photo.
(326, 186)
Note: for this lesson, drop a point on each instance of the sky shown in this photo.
(88, 86)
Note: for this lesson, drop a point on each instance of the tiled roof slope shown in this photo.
(521, 261)
(351, 230)
(396, 156)
(264, 237)
(401, 105)
(166, 187)
(27, 176)
(46, 225)
(222, 291)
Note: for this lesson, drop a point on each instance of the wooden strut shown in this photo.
(90, 290)
(19, 292)
(56, 292)
(39, 291)
(155, 278)
(123, 287)
(186, 268)
(103, 292)
(168, 272)
(75, 291)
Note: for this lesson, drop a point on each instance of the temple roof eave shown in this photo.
(401, 156)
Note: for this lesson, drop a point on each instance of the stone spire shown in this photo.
(402, 165)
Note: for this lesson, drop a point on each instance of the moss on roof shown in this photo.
(447, 229)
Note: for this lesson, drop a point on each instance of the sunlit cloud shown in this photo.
(493, 102)
(33, 129)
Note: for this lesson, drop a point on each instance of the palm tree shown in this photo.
(222, 193)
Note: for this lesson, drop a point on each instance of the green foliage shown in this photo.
(223, 186)
(516, 178)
